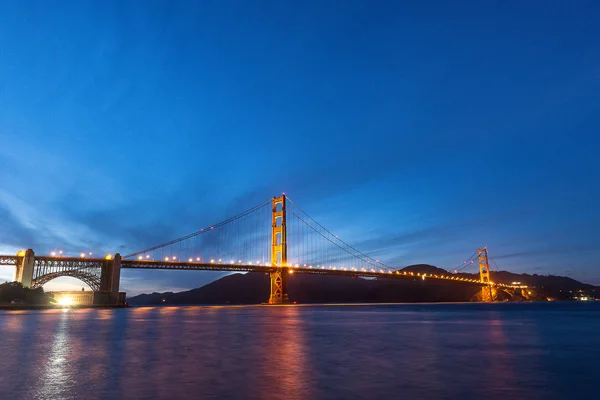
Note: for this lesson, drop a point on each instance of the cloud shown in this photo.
(13, 233)
(560, 249)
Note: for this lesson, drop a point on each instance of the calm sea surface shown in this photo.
(449, 351)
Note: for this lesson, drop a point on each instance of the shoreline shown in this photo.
(55, 306)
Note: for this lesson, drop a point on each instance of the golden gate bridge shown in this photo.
(275, 237)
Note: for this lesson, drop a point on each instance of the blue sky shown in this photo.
(419, 132)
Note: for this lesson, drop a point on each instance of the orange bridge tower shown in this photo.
(484, 275)
(279, 277)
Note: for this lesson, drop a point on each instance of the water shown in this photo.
(450, 351)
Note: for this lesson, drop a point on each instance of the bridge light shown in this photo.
(232, 262)
(198, 259)
(310, 266)
(53, 254)
(291, 271)
(423, 277)
(108, 257)
(139, 258)
(219, 260)
(190, 260)
(82, 255)
(21, 253)
(240, 261)
(166, 258)
(212, 261)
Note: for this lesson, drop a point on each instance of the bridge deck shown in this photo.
(8, 260)
(203, 266)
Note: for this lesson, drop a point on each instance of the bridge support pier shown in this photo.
(24, 267)
(279, 294)
(110, 277)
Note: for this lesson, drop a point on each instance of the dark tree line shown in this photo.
(15, 292)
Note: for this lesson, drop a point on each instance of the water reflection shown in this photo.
(285, 367)
(56, 380)
(429, 352)
(500, 362)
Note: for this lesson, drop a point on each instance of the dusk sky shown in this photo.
(416, 132)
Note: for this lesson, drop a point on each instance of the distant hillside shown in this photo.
(253, 288)
(424, 269)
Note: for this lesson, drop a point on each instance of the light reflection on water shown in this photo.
(359, 352)
(56, 380)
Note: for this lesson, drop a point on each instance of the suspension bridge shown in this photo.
(276, 237)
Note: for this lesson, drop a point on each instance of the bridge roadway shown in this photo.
(8, 260)
(203, 266)
(82, 263)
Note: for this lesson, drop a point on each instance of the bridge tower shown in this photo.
(111, 275)
(484, 275)
(279, 277)
(24, 267)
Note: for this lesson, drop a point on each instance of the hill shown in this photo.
(424, 269)
(253, 288)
